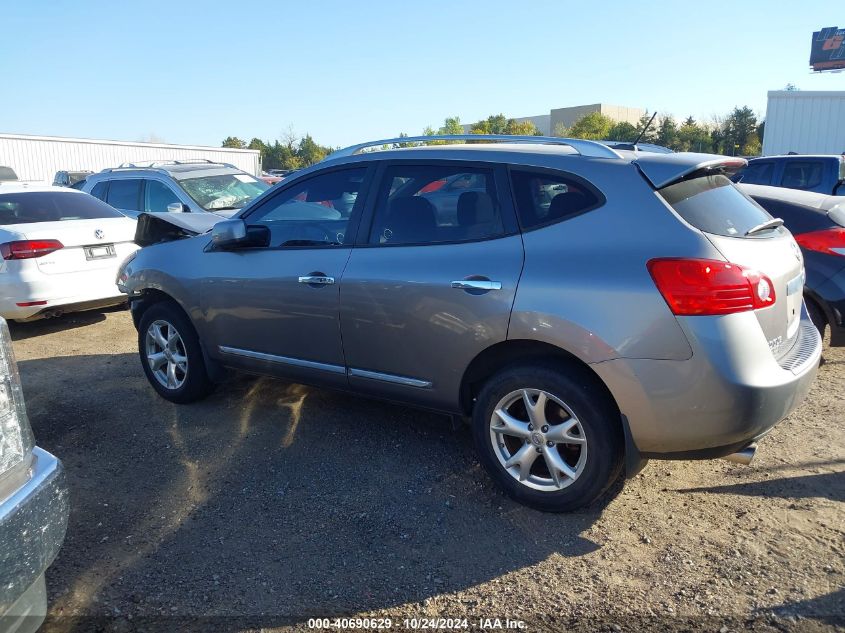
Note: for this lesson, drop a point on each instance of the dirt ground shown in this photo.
(271, 503)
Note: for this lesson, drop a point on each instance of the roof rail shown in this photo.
(584, 147)
(156, 164)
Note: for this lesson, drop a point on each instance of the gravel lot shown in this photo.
(271, 503)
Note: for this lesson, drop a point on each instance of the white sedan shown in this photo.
(60, 251)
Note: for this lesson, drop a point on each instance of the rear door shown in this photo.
(427, 288)
(727, 217)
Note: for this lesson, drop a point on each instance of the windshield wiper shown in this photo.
(765, 226)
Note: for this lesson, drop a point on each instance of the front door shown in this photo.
(274, 309)
(431, 283)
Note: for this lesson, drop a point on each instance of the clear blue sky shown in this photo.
(347, 71)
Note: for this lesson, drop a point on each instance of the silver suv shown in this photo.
(191, 186)
(584, 308)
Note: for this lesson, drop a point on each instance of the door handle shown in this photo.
(477, 284)
(317, 280)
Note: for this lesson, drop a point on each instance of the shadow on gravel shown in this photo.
(829, 608)
(22, 331)
(826, 486)
(267, 499)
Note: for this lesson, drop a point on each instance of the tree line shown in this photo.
(736, 134)
(291, 152)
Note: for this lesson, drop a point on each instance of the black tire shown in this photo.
(591, 405)
(195, 383)
(817, 316)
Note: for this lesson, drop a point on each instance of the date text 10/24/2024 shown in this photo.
(418, 624)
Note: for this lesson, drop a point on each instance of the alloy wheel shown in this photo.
(166, 354)
(538, 439)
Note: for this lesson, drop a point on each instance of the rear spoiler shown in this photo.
(165, 227)
(662, 170)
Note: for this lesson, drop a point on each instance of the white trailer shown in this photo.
(805, 122)
(40, 157)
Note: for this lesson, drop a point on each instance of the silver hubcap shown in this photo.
(166, 354)
(538, 440)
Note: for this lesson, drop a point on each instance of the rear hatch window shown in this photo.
(47, 206)
(712, 204)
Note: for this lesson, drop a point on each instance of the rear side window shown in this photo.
(758, 173)
(46, 206)
(430, 204)
(543, 198)
(714, 205)
(802, 174)
(125, 194)
(99, 190)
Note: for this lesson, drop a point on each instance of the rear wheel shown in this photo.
(548, 436)
(171, 355)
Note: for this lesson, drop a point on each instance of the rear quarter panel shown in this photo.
(585, 286)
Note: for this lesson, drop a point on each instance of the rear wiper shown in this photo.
(765, 226)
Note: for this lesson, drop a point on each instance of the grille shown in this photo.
(797, 359)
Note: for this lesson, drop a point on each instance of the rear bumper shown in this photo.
(68, 292)
(33, 520)
(731, 392)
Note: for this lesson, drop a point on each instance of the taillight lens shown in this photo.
(16, 439)
(697, 287)
(27, 249)
(828, 241)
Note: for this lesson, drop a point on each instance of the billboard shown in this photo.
(828, 49)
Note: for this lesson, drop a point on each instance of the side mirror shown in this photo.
(228, 233)
(176, 207)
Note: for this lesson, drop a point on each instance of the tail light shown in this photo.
(697, 287)
(828, 241)
(27, 249)
(16, 434)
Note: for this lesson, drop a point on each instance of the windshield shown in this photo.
(46, 206)
(227, 191)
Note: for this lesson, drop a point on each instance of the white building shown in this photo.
(40, 157)
(805, 122)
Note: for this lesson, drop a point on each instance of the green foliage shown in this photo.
(650, 135)
(498, 124)
(293, 153)
(595, 126)
(233, 141)
(667, 132)
(622, 131)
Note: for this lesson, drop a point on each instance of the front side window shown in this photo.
(44, 206)
(125, 194)
(224, 191)
(757, 173)
(158, 196)
(543, 198)
(436, 203)
(314, 212)
(802, 174)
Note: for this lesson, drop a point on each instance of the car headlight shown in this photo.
(16, 440)
(123, 271)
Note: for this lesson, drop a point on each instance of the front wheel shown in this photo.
(171, 355)
(550, 437)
